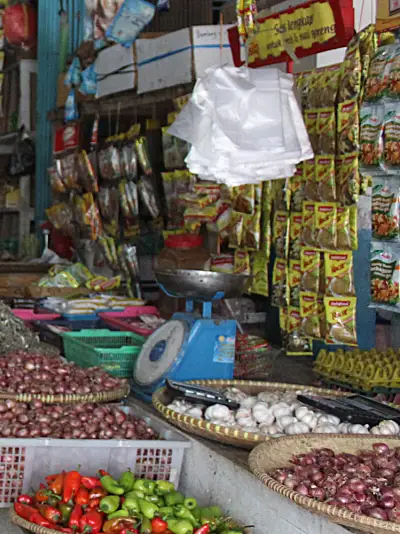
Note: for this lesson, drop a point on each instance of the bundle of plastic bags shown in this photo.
(244, 125)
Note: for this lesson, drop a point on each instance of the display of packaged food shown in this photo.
(308, 235)
(310, 269)
(385, 208)
(378, 77)
(280, 289)
(294, 282)
(325, 225)
(341, 320)
(339, 278)
(259, 271)
(343, 228)
(241, 263)
(325, 177)
(326, 131)
(385, 273)
(310, 327)
(348, 127)
(348, 181)
(281, 233)
(295, 234)
(371, 138)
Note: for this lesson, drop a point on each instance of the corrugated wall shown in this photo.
(48, 46)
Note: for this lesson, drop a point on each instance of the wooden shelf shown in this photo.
(128, 100)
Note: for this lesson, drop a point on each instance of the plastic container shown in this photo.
(183, 252)
(115, 352)
(51, 331)
(119, 319)
(28, 315)
(31, 460)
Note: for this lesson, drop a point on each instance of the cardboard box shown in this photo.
(116, 70)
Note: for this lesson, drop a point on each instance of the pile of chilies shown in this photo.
(21, 372)
(365, 483)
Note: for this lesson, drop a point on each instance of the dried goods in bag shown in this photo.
(296, 190)
(350, 83)
(325, 178)
(281, 193)
(310, 269)
(348, 179)
(309, 233)
(371, 129)
(128, 161)
(391, 137)
(348, 127)
(339, 280)
(281, 233)
(109, 204)
(61, 217)
(326, 131)
(251, 231)
(297, 344)
(325, 225)
(66, 166)
(385, 273)
(309, 180)
(280, 283)
(259, 271)
(385, 208)
(296, 224)
(378, 78)
(330, 86)
(309, 314)
(236, 230)
(314, 86)
(244, 199)
(294, 282)
(343, 228)
(341, 320)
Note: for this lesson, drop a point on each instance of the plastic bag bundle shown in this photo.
(244, 125)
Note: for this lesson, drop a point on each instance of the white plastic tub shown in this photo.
(24, 463)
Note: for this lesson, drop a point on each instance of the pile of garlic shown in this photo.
(276, 414)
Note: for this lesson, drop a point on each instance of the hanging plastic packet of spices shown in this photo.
(368, 46)
(251, 231)
(93, 216)
(148, 196)
(71, 107)
(310, 269)
(377, 83)
(86, 173)
(280, 283)
(348, 179)
(294, 282)
(348, 127)
(391, 136)
(330, 85)
(325, 225)
(311, 122)
(308, 235)
(143, 155)
(109, 164)
(354, 227)
(66, 166)
(309, 180)
(309, 313)
(326, 131)
(259, 270)
(315, 82)
(297, 344)
(339, 277)
(236, 230)
(296, 190)
(241, 263)
(282, 193)
(385, 273)
(244, 199)
(385, 208)
(56, 183)
(325, 178)
(343, 228)
(281, 234)
(341, 320)
(371, 135)
(295, 234)
(350, 83)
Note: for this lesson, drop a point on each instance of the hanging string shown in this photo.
(221, 37)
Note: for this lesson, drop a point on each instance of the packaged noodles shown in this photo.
(241, 262)
(296, 227)
(325, 225)
(325, 178)
(343, 228)
(341, 320)
(339, 278)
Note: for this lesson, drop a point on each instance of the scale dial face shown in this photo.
(160, 352)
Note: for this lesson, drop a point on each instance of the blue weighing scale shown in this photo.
(191, 346)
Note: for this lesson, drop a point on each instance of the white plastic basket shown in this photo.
(24, 463)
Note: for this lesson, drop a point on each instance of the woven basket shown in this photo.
(278, 453)
(105, 396)
(223, 434)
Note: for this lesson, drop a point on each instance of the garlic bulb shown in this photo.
(269, 430)
(301, 412)
(325, 418)
(249, 402)
(285, 421)
(217, 413)
(266, 396)
(235, 394)
(297, 428)
(358, 429)
(294, 405)
(280, 409)
(250, 428)
(344, 428)
(243, 412)
(388, 428)
(392, 425)
(262, 414)
(310, 419)
(246, 421)
(195, 411)
(326, 428)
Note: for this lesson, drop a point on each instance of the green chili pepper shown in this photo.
(163, 486)
(166, 511)
(145, 527)
(66, 510)
(151, 498)
(117, 514)
(148, 509)
(180, 527)
(127, 480)
(183, 513)
(131, 504)
(215, 510)
(109, 504)
(136, 494)
(174, 497)
(190, 503)
(111, 485)
(146, 486)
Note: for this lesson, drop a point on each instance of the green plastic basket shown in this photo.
(115, 352)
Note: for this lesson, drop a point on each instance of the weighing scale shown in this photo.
(190, 346)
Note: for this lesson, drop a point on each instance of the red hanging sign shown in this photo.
(304, 30)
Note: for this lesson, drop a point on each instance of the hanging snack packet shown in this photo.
(130, 253)
(309, 313)
(350, 83)
(131, 192)
(259, 271)
(310, 269)
(385, 208)
(368, 44)
(296, 344)
(296, 190)
(244, 199)
(129, 22)
(371, 140)
(66, 166)
(311, 122)
(385, 273)
(86, 173)
(391, 146)
(56, 183)
(343, 228)
(251, 231)
(348, 179)
(330, 85)
(281, 234)
(315, 83)
(281, 194)
(294, 282)
(325, 225)
(394, 75)
(296, 224)
(325, 178)
(280, 283)
(93, 216)
(309, 181)
(308, 233)
(109, 164)
(378, 78)
(143, 155)
(348, 127)
(109, 202)
(241, 264)
(341, 320)
(128, 161)
(148, 196)
(61, 217)
(223, 263)
(175, 150)
(80, 215)
(354, 227)
(326, 131)
(236, 230)
(339, 279)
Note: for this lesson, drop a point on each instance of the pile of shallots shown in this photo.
(21, 372)
(365, 483)
(70, 421)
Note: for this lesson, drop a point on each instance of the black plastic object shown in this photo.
(201, 394)
(23, 157)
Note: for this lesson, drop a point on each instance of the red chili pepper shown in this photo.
(31, 514)
(42, 486)
(82, 497)
(98, 493)
(129, 531)
(158, 525)
(91, 522)
(205, 529)
(104, 473)
(51, 478)
(56, 486)
(25, 499)
(75, 517)
(48, 512)
(94, 504)
(90, 482)
(72, 483)
(42, 495)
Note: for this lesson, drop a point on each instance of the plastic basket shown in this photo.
(51, 331)
(119, 319)
(115, 352)
(29, 461)
(86, 316)
(28, 316)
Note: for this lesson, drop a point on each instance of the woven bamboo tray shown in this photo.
(223, 434)
(105, 396)
(278, 453)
